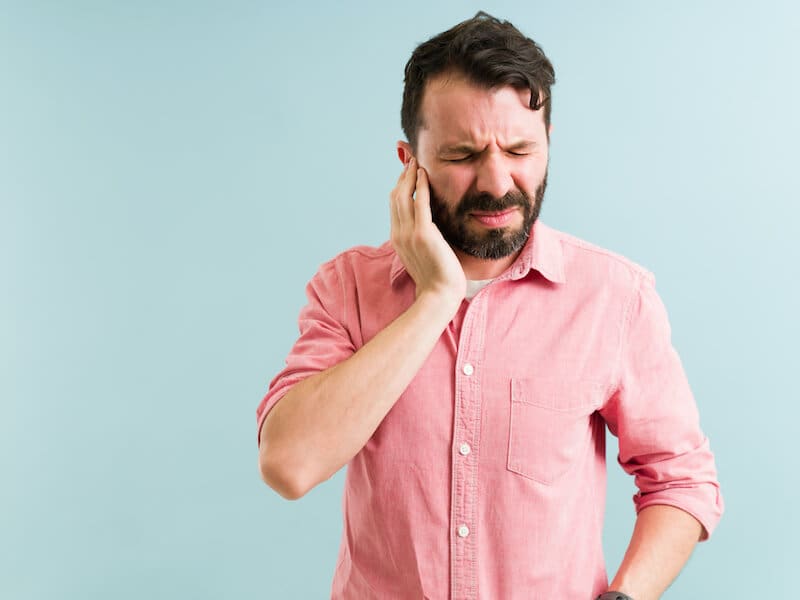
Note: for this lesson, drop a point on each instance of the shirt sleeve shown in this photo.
(324, 339)
(653, 413)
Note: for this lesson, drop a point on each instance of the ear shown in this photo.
(550, 130)
(404, 152)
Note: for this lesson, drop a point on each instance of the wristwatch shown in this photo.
(614, 596)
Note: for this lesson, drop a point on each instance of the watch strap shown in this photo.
(614, 596)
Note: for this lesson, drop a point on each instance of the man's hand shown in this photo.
(426, 255)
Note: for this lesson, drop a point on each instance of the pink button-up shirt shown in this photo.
(487, 478)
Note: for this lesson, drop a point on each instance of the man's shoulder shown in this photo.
(361, 259)
(583, 256)
(366, 255)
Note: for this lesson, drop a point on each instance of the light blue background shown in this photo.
(172, 174)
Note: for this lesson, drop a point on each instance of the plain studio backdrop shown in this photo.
(173, 173)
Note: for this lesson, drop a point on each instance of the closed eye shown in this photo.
(469, 157)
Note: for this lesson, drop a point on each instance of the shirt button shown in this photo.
(465, 449)
(468, 369)
(463, 531)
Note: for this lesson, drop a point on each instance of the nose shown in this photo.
(494, 175)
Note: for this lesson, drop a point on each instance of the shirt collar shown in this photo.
(541, 252)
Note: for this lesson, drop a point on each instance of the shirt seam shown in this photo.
(627, 319)
(631, 265)
(368, 251)
(340, 277)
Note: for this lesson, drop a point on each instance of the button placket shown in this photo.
(466, 428)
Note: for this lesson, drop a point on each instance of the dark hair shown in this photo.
(488, 52)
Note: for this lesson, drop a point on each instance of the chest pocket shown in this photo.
(550, 426)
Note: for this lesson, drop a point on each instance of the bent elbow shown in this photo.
(281, 467)
(286, 483)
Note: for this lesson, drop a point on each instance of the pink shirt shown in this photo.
(487, 478)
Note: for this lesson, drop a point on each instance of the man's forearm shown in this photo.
(324, 420)
(662, 541)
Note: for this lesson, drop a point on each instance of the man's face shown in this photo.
(485, 152)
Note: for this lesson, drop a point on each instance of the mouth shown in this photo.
(494, 219)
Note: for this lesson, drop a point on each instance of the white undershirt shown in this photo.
(476, 285)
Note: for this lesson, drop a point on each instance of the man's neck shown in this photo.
(481, 268)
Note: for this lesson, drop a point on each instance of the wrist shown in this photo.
(440, 302)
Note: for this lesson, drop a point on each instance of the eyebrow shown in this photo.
(467, 148)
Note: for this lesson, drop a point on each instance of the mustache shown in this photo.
(488, 203)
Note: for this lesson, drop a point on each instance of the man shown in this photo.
(465, 371)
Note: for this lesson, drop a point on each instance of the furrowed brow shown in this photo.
(466, 148)
(521, 145)
(458, 149)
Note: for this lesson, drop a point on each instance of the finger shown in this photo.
(393, 214)
(422, 205)
(395, 199)
(403, 195)
(403, 173)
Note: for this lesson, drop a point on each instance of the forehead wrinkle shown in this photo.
(478, 136)
(488, 117)
(474, 131)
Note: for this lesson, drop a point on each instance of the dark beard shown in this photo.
(493, 243)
